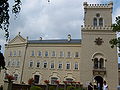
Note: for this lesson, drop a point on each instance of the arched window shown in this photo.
(69, 79)
(96, 63)
(36, 79)
(16, 77)
(101, 63)
(95, 22)
(53, 79)
(101, 22)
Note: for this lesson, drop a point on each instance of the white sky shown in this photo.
(53, 20)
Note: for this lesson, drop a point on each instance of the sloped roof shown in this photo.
(56, 41)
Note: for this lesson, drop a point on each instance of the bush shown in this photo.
(35, 88)
(70, 88)
(60, 88)
(52, 88)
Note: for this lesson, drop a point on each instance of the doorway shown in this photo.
(99, 82)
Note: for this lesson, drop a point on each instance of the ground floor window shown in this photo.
(53, 79)
(36, 79)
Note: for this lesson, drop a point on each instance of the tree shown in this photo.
(116, 28)
(4, 14)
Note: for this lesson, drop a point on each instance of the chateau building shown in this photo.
(90, 59)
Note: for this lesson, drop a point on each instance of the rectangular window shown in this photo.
(68, 66)
(32, 53)
(46, 54)
(38, 64)
(45, 65)
(76, 66)
(76, 54)
(14, 53)
(61, 54)
(68, 54)
(13, 63)
(31, 64)
(18, 63)
(8, 64)
(19, 53)
(39, 53)
(60, 66)
(15, 77)
(10, 53)
(52, 65)
(53, 53)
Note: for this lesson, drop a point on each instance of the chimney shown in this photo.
(69, 37)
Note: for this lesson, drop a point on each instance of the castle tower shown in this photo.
(98, 59)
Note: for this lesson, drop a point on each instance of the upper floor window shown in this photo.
(61, 54)
(31, 64)
(38, 64)
(101, 22)
(60, 66)
(76, 66)
(10, 53)
(8, 64)
(96, 63)
(52, 65)
(68, 54)
(46, 54)
(45, 65)
(68, 66)
(19, 53)
(76, 54)
(33, 53)
(53, 53)
(39, 53)
(95, 22)
(14, 53)
(17, 63)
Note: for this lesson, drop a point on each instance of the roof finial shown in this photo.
(18, 33)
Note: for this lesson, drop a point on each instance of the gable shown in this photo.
(17, 39)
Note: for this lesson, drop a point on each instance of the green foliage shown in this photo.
(116, 26)
(52, 88)
(60, 88)
(4, 14)
(70, 88)
(35, 88)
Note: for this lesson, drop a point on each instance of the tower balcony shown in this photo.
(99, 70)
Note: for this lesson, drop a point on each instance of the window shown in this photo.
(68, 54)
(18, 63)
(96, 63)
(36, 79)
(13, 63)
(10, 53)
(45, 65)
(38, 64)
(60, 66)
(53, 79)
(46, 54)
(101, 62)
(32, 54)
(53, 53)
(101, 22)
(95, 22)
(76, 66)
(14, 53)
(61, 54)
(8, 63)
(76, 54)
(69, 79)
(31, 64)
(68, 66)
(19, 53)
(40, 53)
(52, 65)
(15, 77)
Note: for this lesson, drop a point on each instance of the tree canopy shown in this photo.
(116, 28)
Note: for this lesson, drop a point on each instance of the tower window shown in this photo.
(94, 22)
(101, 22)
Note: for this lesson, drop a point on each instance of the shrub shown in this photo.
(35, 88)
(60, 88)
(70, 88)
(52, 88)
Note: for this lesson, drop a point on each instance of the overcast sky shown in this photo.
(51, 20)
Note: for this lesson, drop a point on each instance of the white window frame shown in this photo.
(47, 53)
(40, 55)
(37, 64)
(76, 54)
(53, 65)
(32, 53)
(32, 64)
(53, 54)
(68, 54)
(19, 53)
(61, 54)
(75, 66)
(15, 53)
(44, 64)
(69, 65)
